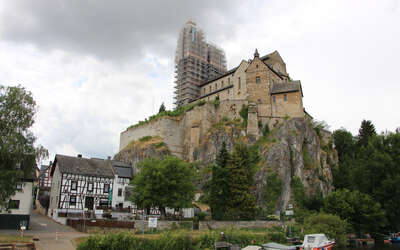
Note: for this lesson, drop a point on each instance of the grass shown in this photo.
(14, 239)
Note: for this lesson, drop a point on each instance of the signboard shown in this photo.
(289, 212)
(153, 222)
(98, 211)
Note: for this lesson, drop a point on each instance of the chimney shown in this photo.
(79, 156)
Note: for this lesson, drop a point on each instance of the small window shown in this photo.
(257, 66)
(90, 186)
(285, 97)
(106, 188)
(274, 98)
(204, 91)
(13, 204)
(73, 185)
(229, 81)
(210, 88)
(258, 79)
(103, 202)
(119, 192)
(222, 84)
(72, 200)
(216, 86)
(19, 186)
(239, 83)
(259, 100)
(228, 91)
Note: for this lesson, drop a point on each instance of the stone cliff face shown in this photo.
(292, 148)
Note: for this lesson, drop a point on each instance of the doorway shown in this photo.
(89, 202)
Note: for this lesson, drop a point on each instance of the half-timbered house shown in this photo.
(79, 184)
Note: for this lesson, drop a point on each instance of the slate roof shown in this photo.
(285, 87)
(83, 166)
(122, 169)
(43, 169)
(231, 71)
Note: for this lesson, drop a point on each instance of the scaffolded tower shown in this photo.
(196, 61)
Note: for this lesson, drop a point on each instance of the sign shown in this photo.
(289, 212)
(98, 211)
(153, 222)
(23, 227)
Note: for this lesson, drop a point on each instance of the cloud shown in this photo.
(96, 67)
(113, 30)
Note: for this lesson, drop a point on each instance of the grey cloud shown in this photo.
(108, 29)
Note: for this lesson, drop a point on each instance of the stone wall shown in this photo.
(203, 225)
(292, 106)
(168, 128)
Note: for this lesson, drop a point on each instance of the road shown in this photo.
(50, 234)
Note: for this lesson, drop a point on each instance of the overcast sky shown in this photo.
(96, 67)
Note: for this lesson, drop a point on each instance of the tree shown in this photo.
(17, 149)
(162, 108)
(218, 186)
(332, 225)
(163, 183)
(360, 210)
(241, 168)
(366, 131)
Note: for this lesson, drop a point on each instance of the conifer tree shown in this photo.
(162, 108)
(241, 167)
(218, 187)
(366, 131)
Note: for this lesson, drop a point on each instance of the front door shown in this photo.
(89, 202)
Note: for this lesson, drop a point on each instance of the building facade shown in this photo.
(80, 184)
(196, 61)
(20, 205)
(123, 174)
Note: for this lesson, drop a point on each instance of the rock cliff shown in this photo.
(289, 149)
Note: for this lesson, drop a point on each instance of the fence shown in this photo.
(80, 224)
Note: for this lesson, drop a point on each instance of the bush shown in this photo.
(331, 225)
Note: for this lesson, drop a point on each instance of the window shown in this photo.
(119, 192)
(204, 91)
(285, 97)
(257, 79)
(19, 186)
(103, 202)
(228, 91)
(216, 86)
(73, 185)
(222, 84)
(106, 188)
(72, 200)
(239, 83)
(90, 187)
(274, 98)
(229, 81)
(257, 66)
(210, 88)
(13, 204)
(259, 100)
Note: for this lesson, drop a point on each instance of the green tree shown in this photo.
(360, 210)
(163, 183)
(17, 110)
(218, 186)
(162, 108)
(332, 225)
(366, 131)
(241, 166)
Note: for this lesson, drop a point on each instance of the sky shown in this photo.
(97, 67)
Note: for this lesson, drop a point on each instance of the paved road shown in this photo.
(51, 234)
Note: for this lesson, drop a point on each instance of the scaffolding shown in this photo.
(196, 61)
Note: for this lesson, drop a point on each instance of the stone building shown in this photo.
(261, 84)
(196, 61)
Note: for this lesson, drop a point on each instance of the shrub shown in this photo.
(331, 225)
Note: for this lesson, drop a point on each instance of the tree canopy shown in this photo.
(164, 183)
(17, 111)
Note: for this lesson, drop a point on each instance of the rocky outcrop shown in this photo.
(290, 149)
(145, 147)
